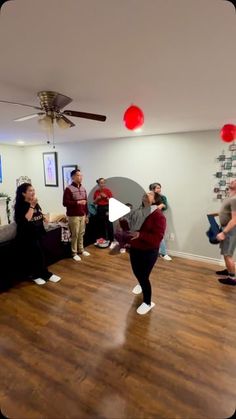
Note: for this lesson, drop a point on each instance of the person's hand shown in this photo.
(45, 218)
(87, 220)
(148, 199)
(220, 236)
(82, 202)
(103, 195)
(135, 235)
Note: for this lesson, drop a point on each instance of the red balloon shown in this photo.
(133, 117)
(228, 133)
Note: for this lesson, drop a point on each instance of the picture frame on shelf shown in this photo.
(50, 169)
(66, 171)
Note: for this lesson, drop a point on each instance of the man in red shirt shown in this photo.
(101, 199)
(144, 252)
(75, 201)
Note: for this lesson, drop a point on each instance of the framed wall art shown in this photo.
(66, 171)
(50, 169)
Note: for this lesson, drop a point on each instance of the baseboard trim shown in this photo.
(196, 257)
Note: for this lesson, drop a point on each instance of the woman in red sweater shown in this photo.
(144, 252)
(101, 199)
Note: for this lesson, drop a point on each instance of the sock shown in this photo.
(232, 275)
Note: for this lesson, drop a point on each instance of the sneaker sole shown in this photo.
(151, 306)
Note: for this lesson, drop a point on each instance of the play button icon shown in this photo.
(117, 209)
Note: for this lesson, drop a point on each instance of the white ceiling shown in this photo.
(175, 59)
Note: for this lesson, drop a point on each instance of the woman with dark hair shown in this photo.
(144, 252)
(156, 188)
(101, 199)
(30, 230)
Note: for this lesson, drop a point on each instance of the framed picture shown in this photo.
(50, 169)
(228, 166)
(0, 169)
(66, 171)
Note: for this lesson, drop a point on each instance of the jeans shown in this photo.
(142, 262)
(163, 250)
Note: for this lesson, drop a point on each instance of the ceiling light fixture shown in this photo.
(46, 122)
(20, 142)
(63, 123)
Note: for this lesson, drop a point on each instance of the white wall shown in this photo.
(183, 163)
(12, 168)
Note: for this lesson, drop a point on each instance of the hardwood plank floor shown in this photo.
(77, 349)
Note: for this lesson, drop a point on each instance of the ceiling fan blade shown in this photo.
(20, 104)
(86, 115)
(66, 120)
(25, 118)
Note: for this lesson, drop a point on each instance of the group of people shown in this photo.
(142, 231)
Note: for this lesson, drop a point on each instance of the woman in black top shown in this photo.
(30, 230)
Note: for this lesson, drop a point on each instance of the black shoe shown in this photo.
(222, 273)
(227, 281)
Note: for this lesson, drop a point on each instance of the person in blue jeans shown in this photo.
(156, 188)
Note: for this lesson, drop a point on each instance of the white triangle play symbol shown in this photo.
(117, 209)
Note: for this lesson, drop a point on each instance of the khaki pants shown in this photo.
(77, 228)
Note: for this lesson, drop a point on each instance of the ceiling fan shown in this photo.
(50, 110)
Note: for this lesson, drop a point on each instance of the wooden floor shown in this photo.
(78, 349)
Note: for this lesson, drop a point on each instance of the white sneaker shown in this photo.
(166, 257)
(137, 290)
(85, 253)
(77, 258)
(54, 278)
(113, 245)
(39, 281)
(145, 308)
(122, 250)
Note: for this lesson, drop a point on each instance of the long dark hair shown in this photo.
(20, 199)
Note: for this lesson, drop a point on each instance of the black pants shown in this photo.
(32, 259)
(142, 262)
(104, 226)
